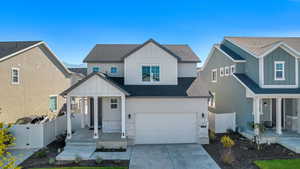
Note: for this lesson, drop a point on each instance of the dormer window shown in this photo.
(150, 73)
(279, 70)
(96, 69)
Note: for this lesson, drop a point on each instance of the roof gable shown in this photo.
(117, 52)
(261, 46)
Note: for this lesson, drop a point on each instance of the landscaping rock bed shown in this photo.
(245, 152)
(45, 158)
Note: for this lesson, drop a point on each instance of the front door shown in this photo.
(99, 112)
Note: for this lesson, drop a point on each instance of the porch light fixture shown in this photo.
(129, 116)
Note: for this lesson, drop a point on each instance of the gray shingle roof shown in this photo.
(79, 70)
(230, 52)
(8, 48)
(259, 45)
(179, 90)
(257, 90)
(116, 52)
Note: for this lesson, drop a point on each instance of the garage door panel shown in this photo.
(159, 128)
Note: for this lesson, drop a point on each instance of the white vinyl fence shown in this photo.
(38, 135)
(220, 123)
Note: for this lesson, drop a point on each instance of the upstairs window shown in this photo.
(227, 71)
(150, 73)
(96, 69)
(15, 75)
(113, 70)
(114, 103)
(279, 70)
(232, 69)
(53, 103)
(214, 75)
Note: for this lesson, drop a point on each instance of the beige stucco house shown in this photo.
(140, 93)
(31, 79)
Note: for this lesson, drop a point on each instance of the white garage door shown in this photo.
(161, 128)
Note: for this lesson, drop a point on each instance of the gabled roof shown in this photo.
(254, 87)
(101, 75)
(117, 52)
(13, 48)
(9, 48)
(259, 46)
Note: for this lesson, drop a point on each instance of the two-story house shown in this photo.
(31, 79)
(142, 93)
(254, 80)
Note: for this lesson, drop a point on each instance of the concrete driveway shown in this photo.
(173, 156)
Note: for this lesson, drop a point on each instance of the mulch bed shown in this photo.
(245, 152)
(41, 158)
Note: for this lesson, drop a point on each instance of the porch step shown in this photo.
(71, 152)
(291, 143)
(112, 144)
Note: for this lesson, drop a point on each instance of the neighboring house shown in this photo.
(31, 79)
(146, 93)
(254, 80)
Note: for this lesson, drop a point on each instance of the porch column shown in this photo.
(82, 108)
(298, 115)
(256, 113)
(96, 135)
(278, 115)
(123, 116)
(69, 125)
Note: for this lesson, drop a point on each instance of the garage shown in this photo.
(165, 128)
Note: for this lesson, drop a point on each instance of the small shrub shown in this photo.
(212, 136)
(227, 157)
(227, 142)
(41, 153)
(51, 161)
(98, 160)
(230, 131)
(77, 159)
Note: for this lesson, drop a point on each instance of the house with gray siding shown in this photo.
(254, 81)
(140, 94)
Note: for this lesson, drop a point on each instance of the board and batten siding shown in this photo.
(230, 94)
(111, 118)
(106, 67)
(150, 54)
(166, 105)
(289, 68)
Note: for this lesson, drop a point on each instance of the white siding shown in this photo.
(150, 54)
(187, 69)
(105, 68)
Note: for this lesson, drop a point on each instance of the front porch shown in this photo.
(276, 120)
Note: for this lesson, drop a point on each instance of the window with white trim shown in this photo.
(227, 71)
(232, 69)
(114, 103)
(53, 103)
(15, 75)
(150, 73)
(214, 75)
(279, 70)
(212, 100)
(113, 70)
(221, 71)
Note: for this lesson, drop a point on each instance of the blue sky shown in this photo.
(72, 28)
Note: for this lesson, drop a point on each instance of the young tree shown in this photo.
(7, 161)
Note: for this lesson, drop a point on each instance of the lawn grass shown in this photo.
(85, 168)
(278, 164)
